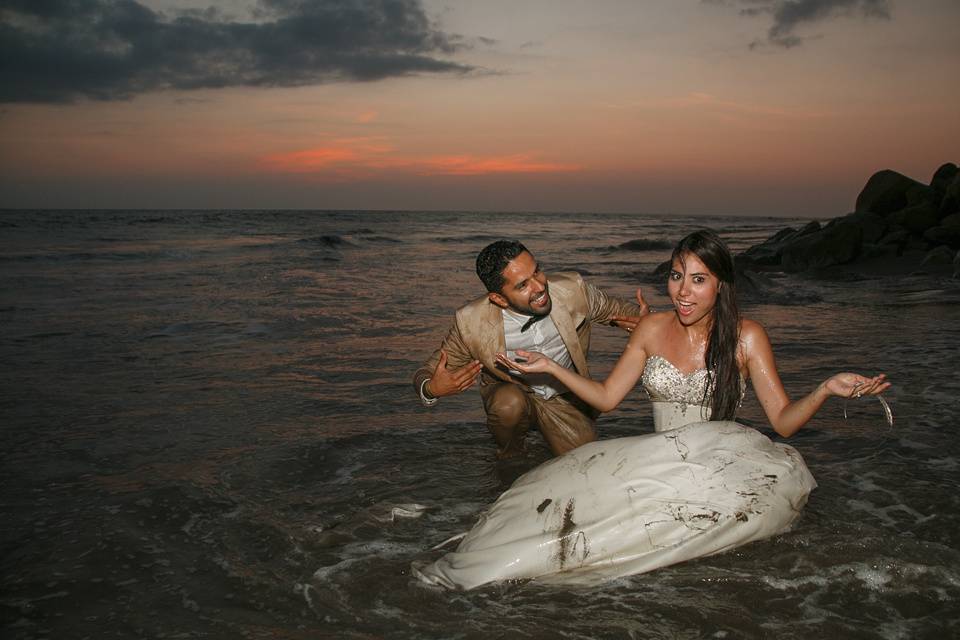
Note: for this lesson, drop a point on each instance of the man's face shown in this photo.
(525, 288)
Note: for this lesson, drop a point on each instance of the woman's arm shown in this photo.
(605, 395)
(786, 417)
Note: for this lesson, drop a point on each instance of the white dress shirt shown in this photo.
(543, 337)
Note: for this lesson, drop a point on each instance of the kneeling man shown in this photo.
(522, 310)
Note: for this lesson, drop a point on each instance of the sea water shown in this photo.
(209, 431)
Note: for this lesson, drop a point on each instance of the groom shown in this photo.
(522, 310)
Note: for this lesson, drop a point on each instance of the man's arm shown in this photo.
(606, 309)
(449, 370)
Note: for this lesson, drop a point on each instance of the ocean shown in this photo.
(209, 431)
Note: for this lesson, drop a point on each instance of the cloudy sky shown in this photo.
(757, 107)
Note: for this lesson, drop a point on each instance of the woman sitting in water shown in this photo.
(700, 485)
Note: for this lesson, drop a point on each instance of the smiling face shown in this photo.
(693, 289)
(525, 288)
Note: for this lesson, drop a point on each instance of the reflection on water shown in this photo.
(209, 430)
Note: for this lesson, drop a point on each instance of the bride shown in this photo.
(699, 485)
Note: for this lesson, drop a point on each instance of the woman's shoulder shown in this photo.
(655, 320)
(650, 328)
(750, 327)
(752, 334)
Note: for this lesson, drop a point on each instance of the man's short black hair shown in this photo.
(494, 259)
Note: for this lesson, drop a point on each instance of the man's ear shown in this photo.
(498, 300)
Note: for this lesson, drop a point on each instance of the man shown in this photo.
(522, 310)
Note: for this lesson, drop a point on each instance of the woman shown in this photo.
(700, 485)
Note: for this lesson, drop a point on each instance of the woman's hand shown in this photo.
(852, 385)
(526, 362)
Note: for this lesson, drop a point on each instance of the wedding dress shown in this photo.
(624, 506)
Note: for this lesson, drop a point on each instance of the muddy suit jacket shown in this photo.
(477, 332)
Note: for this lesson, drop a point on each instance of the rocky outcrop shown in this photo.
(895, 215)
(888, 191)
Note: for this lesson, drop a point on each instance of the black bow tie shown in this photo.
(529, 323)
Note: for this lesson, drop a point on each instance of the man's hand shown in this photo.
(629, 323)
(447, 383)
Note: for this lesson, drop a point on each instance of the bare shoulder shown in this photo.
(751, 329)
(650, 328)
(753, 336)
(655, 321)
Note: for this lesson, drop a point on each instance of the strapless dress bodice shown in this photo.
(678, 398)
(664, 382)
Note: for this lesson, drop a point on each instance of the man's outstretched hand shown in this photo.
(447, 383)
(629, 323)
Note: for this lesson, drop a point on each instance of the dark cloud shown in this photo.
(62, 50)
(787, 15)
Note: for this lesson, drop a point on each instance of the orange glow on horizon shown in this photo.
(467, 165)
(309, 160)
(357, 158)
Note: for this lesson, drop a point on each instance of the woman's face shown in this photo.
(693, 289)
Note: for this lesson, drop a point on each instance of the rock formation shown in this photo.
(897, 221)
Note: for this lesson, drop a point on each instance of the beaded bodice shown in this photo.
(665, 383)
(678, 398)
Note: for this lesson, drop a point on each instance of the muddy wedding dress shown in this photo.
(623, 506)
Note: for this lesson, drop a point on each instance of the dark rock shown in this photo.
(942, 178)
(956, 265)
(896, 236)
(949, 236)
(916, 219)
(872, 225)
(888, 191)
(752, 285)
(757, 288)
(939, 256)
(814, 246)
(896, 222)
(921, 195)
(770, 251)
(837, 244)
(916, 244)
(951, 221)
(810, 227)
(950, 204)
(786, 233)
(869, 251)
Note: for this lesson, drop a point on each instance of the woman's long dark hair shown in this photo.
(723, 374)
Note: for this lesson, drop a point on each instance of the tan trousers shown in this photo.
(565, 421)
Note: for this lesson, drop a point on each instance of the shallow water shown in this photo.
(209, 431)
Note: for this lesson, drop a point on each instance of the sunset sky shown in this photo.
(723, 107)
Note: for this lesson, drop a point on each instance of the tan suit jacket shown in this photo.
(477, 332)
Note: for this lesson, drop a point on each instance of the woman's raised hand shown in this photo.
(852, 385)
(526, 362)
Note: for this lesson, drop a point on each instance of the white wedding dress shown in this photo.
(623, 506)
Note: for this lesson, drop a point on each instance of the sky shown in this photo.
(688, 107)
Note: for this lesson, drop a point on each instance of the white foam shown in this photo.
(357, 552)
(324, 573)
(786, 584)
(873, 577)
(390, 513)
(892, 575)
